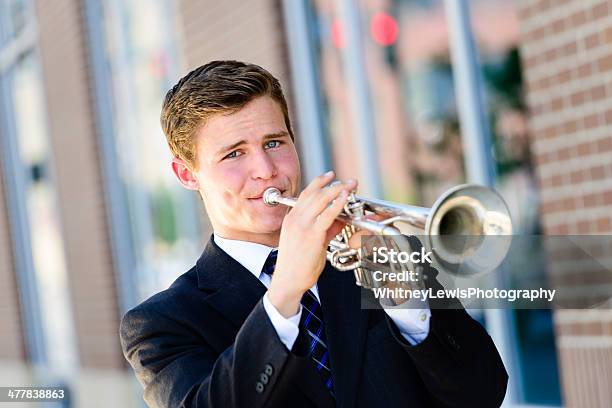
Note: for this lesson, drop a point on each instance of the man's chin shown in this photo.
(266, 219)
(268, 226)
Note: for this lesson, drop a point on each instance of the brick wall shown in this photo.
(11, 330)
(250, 31)
(566, 50)
(79, 184)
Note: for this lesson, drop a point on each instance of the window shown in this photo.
(140, 52)
(35, 222)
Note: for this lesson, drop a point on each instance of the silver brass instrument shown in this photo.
(473, 211)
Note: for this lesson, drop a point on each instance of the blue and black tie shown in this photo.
(311, 341)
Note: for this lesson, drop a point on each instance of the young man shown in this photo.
(249, 326)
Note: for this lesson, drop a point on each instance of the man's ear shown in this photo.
(184, 174)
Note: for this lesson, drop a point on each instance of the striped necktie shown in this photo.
(311, 340)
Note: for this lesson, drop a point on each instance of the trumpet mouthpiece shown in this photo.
(271, 195)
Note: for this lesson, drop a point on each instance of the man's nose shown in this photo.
(263, 166)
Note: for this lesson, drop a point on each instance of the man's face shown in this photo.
(239, 156)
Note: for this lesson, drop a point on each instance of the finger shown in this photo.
(328, 215)
(318, 182)
(355, 239)
(327, 193)
(316, 203)
(377, 217)
(315, 185)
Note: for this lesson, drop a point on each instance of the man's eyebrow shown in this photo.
(282, 133)
(274, 135)
(232, 146)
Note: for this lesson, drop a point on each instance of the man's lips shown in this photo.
(260, 196)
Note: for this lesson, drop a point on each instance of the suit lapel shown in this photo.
(236, 291)
(345, 327)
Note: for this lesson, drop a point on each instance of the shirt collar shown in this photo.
(249, 254)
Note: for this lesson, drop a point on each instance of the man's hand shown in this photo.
(356, 242)
(305, 234)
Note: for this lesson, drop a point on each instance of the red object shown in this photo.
(158, 64)
(337, 34)
(384, 29)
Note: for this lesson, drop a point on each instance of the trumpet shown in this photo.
(474, 212)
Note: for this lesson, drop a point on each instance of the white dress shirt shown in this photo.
(413, 323)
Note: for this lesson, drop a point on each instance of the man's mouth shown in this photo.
(260, 196)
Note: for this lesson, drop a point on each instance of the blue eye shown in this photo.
(272, 144)
(232, 155)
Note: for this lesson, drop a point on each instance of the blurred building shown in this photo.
(92, 222)
(567, 58)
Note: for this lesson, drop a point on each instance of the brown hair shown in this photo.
(217, 87)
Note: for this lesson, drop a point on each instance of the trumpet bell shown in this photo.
(468, 230)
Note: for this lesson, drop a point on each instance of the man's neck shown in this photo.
(270, 239)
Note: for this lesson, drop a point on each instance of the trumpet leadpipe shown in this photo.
(272, 197)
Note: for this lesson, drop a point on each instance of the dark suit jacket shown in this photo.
(207, 341)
